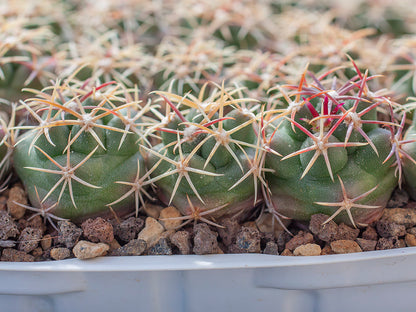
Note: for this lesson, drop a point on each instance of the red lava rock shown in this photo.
(301, 238)
(29, 239)
(98, 230)
(229, 232)
(69, 233)
(205, 240)
(8, 228)
(325, 232)
(370, 233)
(162, 247)
(14, 255)
(345, 246)
(385, 243)
(271, 248)
(247, 241)
(366, 244)
(135, 247)
(386, 228)
(16, 195)
(346, 232)
(128, 229)
(182, 240)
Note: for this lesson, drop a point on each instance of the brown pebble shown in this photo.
(247, 241)
(366, 244)
(128, 229)
(412, 231)
(385, 243)
(135, 247)
(267, 223)
(17, 195)
(326, 232)
(37, 252)
(8, 228)
(151, 232)
(29, 239)
(69, 233)
(205, 240)
(168, 218)
(182, 240)
(301, 238)
(114, 245)
(307, 250)
(271, 248)
(345, 246)
(402, 216)
(229, 231)
(14, 255)
(385, 228)
(162, 247)
(327, 250)
(152, 210)
(370, 233)
(98, 230)
(286, 252)
(346, 232)
(410, 240)
(46, 242)
(60, 253)
(86, 250)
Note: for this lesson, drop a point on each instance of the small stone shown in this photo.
(402, 216)
(151, 232)
(271, 248)
(412, 231)
(307, 250)
(114, 245)
(370, 233)
(182, 240)
(128, 229)
(410, 240)
(46, 242)
(8, 228)
(366, 244)
(345, 246)
(281, 239)
(327, 250)
(168, 218)
(135, 247)
(386, 228)
(267, 223)
(162, 247)
(302, 238)
(87, 250)
(205, 240)
(68, 234)
(152, 211)
(399, 198)
(346, 232)
(37, 252)
(286, 252)
(29, 239)
(7, 243)
(60, 253)
(247, 241)
(326, 232)
(229, 231)
(14, 255)
(98, 230)
(385, 243)
(17, 195)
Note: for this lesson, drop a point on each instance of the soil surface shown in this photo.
(27, 235)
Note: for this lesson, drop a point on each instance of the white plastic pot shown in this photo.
(370, 281)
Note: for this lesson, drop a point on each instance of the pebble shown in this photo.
(307, 250)
(182, 240)
(267, 223)
(8, 228)
(271, 248)
(346, 232)
(14, 255)
(16, 194)
(29, 239)
(128, 229)
(412, 231)
(205, 240)
(302, 238)
(344, 246)
(386, 243)
(327, 250)
(60, 253)
(366, 244)
(399, 198)
(152, 210)
(87, 250)
(229, 231)
(402, 216)
(162, 247)
(410, 240)
(135, 247)
(98, 230)
(167, 218)
(151, 232)
(325, 232)
(247, 241)
(370, 233)
(386, 228)
(46, 242)
(69, 233)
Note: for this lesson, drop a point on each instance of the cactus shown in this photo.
(207, 161)
(335, 158)
(408, 155)
(84, 154)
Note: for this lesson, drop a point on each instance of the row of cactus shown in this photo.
(204, 106)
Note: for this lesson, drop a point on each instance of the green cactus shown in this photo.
(207, 161)
(335, 157)
(408, 155)
(84, 154)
